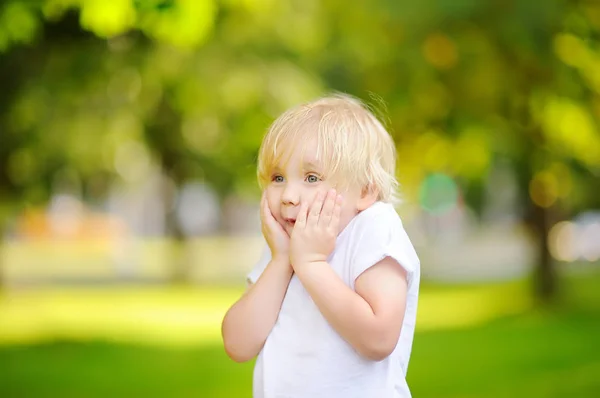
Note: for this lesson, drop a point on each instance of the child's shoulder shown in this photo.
(378, 221)
(378, 215)
(376, 233)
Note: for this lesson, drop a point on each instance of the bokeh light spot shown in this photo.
(561, 240)
(440, 51)
(438, 194)
(543, 189)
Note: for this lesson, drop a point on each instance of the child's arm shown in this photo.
(250, 320)
(370, 318)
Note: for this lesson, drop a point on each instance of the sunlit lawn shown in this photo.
(473, 341)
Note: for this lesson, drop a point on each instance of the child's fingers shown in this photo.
(264, 208)
(315, 209)
(267, 215)
(301, 217)
(328, 207)
(337, 212)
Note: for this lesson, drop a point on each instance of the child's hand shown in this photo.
(276, 237)
(316, 229)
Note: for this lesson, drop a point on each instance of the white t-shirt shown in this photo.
(304, 357)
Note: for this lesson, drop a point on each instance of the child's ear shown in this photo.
(368, 196)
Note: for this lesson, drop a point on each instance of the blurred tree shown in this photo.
(108, 88)
(502, 80)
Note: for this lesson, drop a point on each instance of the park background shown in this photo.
(129, 132)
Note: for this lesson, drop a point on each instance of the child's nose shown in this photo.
(290, 195)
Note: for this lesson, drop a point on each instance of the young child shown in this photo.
(330, 308)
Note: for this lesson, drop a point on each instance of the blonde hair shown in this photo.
(352, 144)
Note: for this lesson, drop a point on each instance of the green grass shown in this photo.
(101, 369)
(529, 353)
(536, 355)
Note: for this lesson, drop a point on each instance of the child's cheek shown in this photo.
(309, 197)
(273, 200)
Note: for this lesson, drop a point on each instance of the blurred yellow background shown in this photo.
(129, 132)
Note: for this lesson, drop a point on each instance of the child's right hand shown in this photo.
(276, 237)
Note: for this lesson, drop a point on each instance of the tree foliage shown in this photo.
(94, 89)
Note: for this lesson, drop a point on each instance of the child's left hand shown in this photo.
(316, 229)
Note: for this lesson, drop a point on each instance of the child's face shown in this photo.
(298, 181)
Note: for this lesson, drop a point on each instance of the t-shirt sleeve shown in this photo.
(382, 237)
(260, 266)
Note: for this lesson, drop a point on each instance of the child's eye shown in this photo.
(312, 178)
(277, 178)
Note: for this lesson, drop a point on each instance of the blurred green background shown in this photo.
(129, 131)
